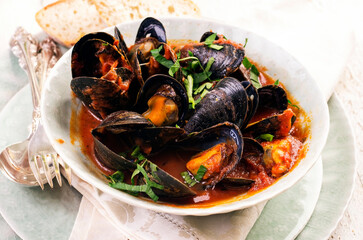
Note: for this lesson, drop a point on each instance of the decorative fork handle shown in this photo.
(36, 59)
(25, 47)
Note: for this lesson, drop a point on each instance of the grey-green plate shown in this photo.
(50, 214)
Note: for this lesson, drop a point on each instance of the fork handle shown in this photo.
(26, 48)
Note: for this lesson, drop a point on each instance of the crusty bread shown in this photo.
(68, 20)
(117, 11)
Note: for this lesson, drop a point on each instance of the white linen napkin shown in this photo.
(317, 33)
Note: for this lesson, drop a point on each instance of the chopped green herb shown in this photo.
(200, 173)
(188, 83)
(209, 64)
(160, 58)
(116, 177)
(246, 40)
(215, 46)
(266, 137)
(201, 77)
(177, 126)
(276, 82)
(174, 68)
(246, 63)
(137, 154)
(188, 179)
(292, 105)
(209, 42)
(207, 85)
(254, 73)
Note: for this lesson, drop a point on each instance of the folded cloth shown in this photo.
(101, 216)
(315, 32)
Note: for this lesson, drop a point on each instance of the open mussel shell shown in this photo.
(253, 101)
(151, 27)
(273, 96)
(278, 125)
(143, 64)
(172, 187)
(123, 120)
(86, 58)
(101, 96)
(206, 35)
(226, 60)
(252, 157)
(134, 129)
(168, 87)
(225, 132)
(121, 42)
(228, 101)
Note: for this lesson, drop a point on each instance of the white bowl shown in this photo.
(57, 101)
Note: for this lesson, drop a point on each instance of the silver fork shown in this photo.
(42, 158)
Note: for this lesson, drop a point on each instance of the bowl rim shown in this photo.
(182, 210)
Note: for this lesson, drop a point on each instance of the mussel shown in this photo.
(163, 100)
(150, 37)
(249, 166)
(226, 60)
(119, 133)
(219, 148)
(228, 101)
(102, 75)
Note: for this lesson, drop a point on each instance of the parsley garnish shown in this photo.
(276, 83)
(254, 73)
(118, 177)
(191, 180)
(292, 105)
(266, 137)
(160, 58)
(200, 173)
(209, 42)
(137, 154)
(246, 40)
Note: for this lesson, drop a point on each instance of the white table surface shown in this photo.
(21, 13)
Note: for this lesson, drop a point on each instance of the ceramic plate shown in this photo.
(18, 204)
(57, 106)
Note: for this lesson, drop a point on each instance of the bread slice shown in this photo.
(117, 11)
(68, 20)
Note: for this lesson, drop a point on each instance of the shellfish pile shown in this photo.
(203, 97)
